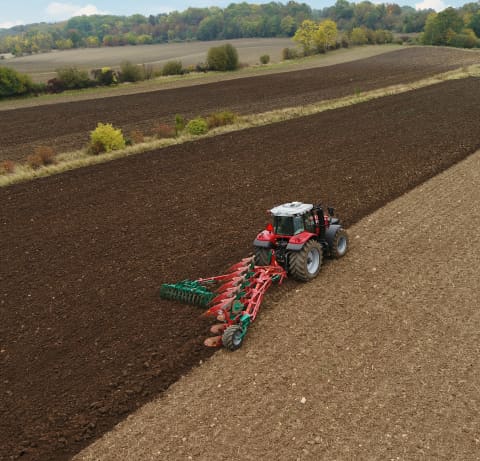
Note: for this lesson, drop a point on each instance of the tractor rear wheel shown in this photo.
(263, 256)
(304, 265)
(339, 244)
(232, 337)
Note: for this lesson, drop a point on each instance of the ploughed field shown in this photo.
(66, 126)
(84, 338)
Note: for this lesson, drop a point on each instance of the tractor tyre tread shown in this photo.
(263, 256)
(339, 235)
(297, 261)
(228, 337)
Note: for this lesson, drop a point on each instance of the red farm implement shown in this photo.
(233, 298)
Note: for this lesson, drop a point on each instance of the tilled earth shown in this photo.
(66, 126)
(84, 339)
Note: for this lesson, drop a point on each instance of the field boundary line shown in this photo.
(77, 159)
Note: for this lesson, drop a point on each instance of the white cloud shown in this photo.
(8, 24)
(57, 10)
(437, 5)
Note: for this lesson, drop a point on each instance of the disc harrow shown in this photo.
(233, 298)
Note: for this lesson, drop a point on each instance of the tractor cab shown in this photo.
(292, 218)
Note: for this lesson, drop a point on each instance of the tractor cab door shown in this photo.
(310, 223)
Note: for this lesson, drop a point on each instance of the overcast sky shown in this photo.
(14, 12)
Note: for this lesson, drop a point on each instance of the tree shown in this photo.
(327, 34)
(475, 23)
(358, 36)
(442, 27)
(305, 36)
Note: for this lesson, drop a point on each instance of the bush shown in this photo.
(220, 119)
(105, 76)
(42, 156)
(265, 59)
(148, 72)
(137, 137)
(7, 167)
(71, 78)
(223, 58)
(201, 67)
(179, 124)
(105, 138)
(290, 53)
(54, 85)
(197, 126)
(12, 83)
(130, 72)
(163, 130)
(173, 68)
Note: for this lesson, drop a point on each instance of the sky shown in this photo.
(31, 11)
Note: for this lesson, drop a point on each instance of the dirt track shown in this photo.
(84, 338)
(384, 346)
(66, 126)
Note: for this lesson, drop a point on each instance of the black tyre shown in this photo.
(232, 337)
(304, 265)
(263, 256)
(339, 244)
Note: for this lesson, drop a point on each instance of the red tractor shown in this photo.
(300, 236)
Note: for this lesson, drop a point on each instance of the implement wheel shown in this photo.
(263, 256)
(232, 337)
(304, 265)
(339, 244)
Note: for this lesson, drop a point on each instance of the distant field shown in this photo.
(42, 66)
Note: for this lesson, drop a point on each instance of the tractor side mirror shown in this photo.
(331, 211)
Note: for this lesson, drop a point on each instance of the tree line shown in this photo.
(455, 27)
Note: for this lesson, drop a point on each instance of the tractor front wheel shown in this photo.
(263, 256)
(304, 265)
(232, 337)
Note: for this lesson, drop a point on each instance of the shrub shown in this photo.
(54, 85)
(201, 67)
(137, 136)
(265, 59)
(7, 167)
(42, 156)
(72, 78)
(12, 83)
(163, 130)
(179, 124)
(220, 119)
(105, 76)
(290, 53)
(223, 58)
(130, 72)
(197, 126)
(173, 68)
(148, 72)
(106, 138)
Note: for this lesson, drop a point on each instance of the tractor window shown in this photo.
(309, 222)
(283, 225)
(298, 225)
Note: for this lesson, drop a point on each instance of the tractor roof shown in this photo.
(291, 209)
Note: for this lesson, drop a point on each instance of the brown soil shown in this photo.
(383, 347)
(84, 338)
(66, 126)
